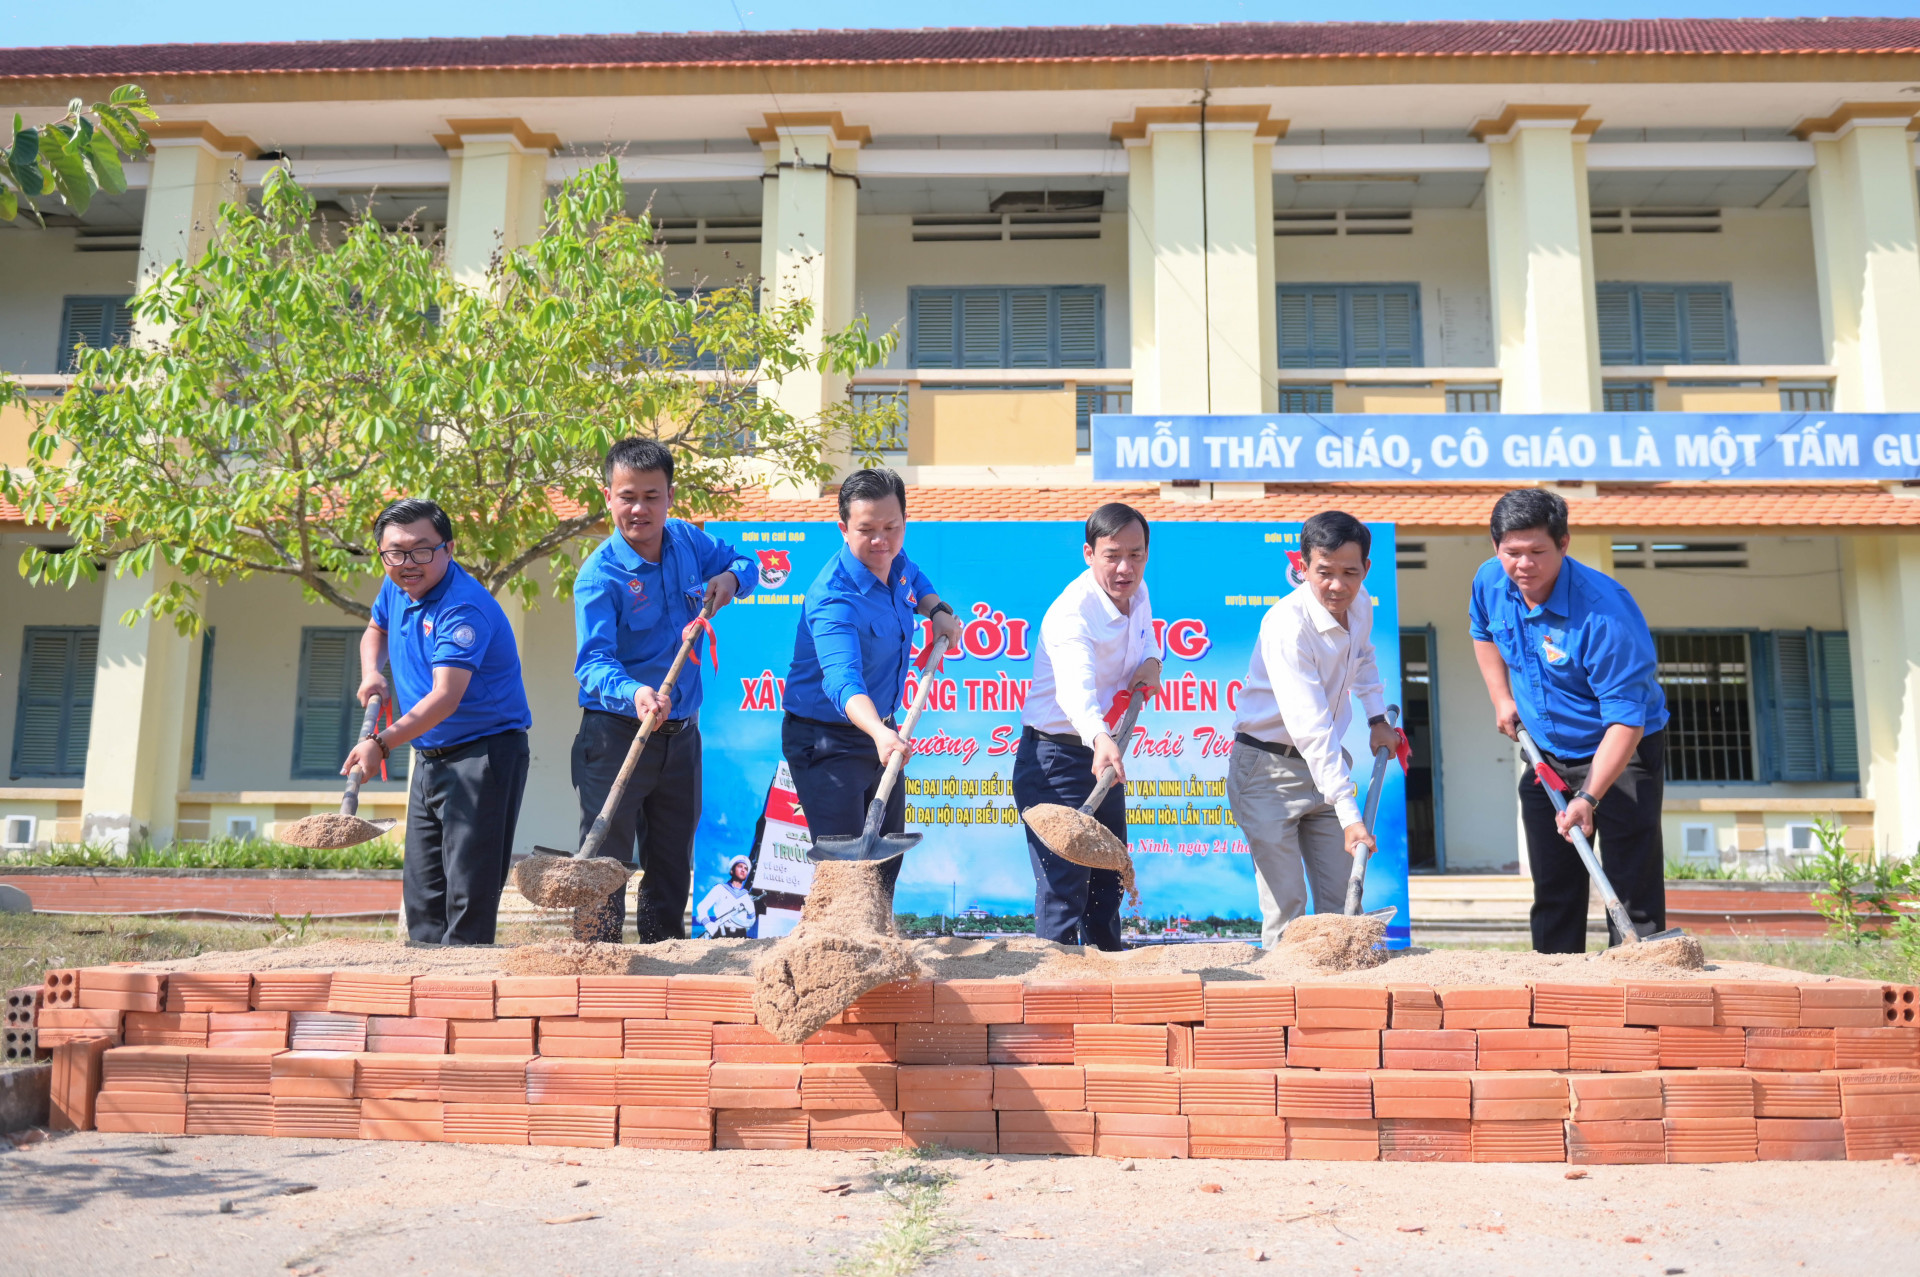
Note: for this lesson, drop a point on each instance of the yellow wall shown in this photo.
(990, 427)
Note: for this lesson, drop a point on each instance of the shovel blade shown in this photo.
(1671, 933)
(885, 847)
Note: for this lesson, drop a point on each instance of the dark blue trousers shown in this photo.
(461, 811)
(1071, 903)
(835, 775)
(652, 829)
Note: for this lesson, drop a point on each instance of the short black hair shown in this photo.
(1331, 529)
(1111, 519)
(1524, 509)
(639, 456)
(873, 484)
(411, 510)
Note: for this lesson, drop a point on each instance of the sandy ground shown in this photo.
(94, 1203)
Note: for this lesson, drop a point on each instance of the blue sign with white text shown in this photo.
(1389, 447)
(1210, 584)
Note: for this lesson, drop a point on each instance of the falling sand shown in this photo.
(567, 882)
(330, 829)
(1073, 835)
(845, 945)
(1337, 941)
(1682, 952)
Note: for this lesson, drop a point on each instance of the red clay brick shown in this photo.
(1600, 1098)
(315, 1117)
(370, 993)
(687, 1129)
(1132, 1088)
(1029, 1043)
(1240, 1047)
(1791, 1050)
(146, 1068)
(1321, 1139)
(453, 998)
(941, 1043)
(975, 1132)
(1306, 1094)
(326, 1031)
(857, 1044)
(1521, 1097)
(291, 990)
(1060, 1088)
(978, 1002)
(61, 988)
(1841, 1004)
(755, 1086)
(572, 1125)
(1425, 1139)
(216, 991)
(718, 999)
(1120, 1044)
(490, 1037)
(623, 997)
(1692, 1047)
(57, 1026)
(572, 1081)
(1756, 1004)
(1617, 1143)
(1613, 1050)
(1413, 1006)
(245, 1071)
(1601, 1006)
(166, 1028)
(1180, 1046)
(848, 1087)
(667, 1040)
(1163, 1000)
(486, 1123)
(1340, 1006)
(1519, 1140)
(1788, 1139)
(411, 1034)
(578, 1038)
(945, 1088)
(1227, 1092)
(1881, 1048)
(1446, 1049)
(1424, 1095)
(394, 1119)
(858, 1132)
(1247, 1004)
(1712, 1139)
(1257, 1139)
(1870, 1139)
(113, 989)
(229, 1029)
(536, 995)
(484, 1080)
(1863, 1093)
(1067, 1002)
(1796, 1095)
(77, 1069)
(312, 1075)
(1708, 1093)
(1483, 1006)
(751, 1044)
(249, 1114)
(664, 1083)
(1048, 1132)
(1309, 1047)
(141, 1112)
(1901, 1003)
(398, 1077)
(1658, 1003)
(1502, 1049)
(1155, 1135)
(904, 1002)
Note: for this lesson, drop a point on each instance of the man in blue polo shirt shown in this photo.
(1566, 654)
(634, 596)
(850, 656)
(457, 673)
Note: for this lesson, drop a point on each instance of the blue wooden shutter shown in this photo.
(1708, 312)
(1614, 304)
(1835, 669)
(1660, 339)
(55, 708)
(203, 706)
(931, 324)
(1080, 339)
(983, 329)
(1382, 326)
(92, 321)
(1030, 328)
(329, 673)
(1793, 719)
(1310, 328)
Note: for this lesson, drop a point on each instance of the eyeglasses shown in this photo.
(421, 554)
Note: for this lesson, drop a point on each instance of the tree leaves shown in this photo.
(72, 157)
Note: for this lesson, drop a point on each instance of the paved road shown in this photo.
(94, 1203)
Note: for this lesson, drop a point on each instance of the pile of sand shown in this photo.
(1337, 941)
(1075, 836)
(568, 882)
(1681, 952)
(568, 957)
(330, 829)
(845, 945)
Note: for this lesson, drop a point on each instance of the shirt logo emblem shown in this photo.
(639, 589)
(775, 568)
(462, 636)
(1296, 568)
(1549, 648)
(426, 627)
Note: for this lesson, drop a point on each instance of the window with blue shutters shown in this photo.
(1057, 327)
(1349, 326)
(1806, 699)
(1645, 324)
(93, 321)
(55, 705)
(203, 706)
(327, 717)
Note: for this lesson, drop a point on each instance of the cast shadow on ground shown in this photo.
(45, 1180)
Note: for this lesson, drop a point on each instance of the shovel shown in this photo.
(1357, 884)
(870, 843)
(1074, 835)
(344, 829)
(584, 877)
(1551, 782)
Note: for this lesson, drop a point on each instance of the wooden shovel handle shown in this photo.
(350, 800)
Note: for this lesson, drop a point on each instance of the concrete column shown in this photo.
(809, 207)
(1866, 240)
(1200, 258)
(135, 756)
(1880, 579)
(196, 169)
(495, 194)
(1540, 250)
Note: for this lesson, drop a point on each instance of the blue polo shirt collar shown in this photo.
(862, 576)
(1559, 600)
(630, 558)
(439, 591)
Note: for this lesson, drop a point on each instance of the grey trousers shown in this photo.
(1294, 836)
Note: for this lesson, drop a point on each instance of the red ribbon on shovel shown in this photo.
(1403, 751)
(693, 627)
(1121, 700)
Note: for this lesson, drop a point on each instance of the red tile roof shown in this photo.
(1225, 42)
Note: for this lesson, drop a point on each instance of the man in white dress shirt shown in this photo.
(1095, 637)
(1290, 783)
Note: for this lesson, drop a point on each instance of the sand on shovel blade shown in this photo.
(567, 882)
(844, 946)
(1072, 835)
(1337, 941)
(1680, 952)
(328, 830)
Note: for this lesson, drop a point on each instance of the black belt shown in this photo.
(1266, 746)
(672, 727)
(444, 750)
(850, 725)
(1061, 739)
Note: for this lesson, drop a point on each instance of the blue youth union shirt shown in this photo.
(855, 637)
(1580, 662)
(628, 615)
(458, 624)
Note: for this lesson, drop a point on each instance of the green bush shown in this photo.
(217, 853)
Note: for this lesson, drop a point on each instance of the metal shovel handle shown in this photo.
(1578, 837)
(1121, 736)
(1382, 758)
(350, 800)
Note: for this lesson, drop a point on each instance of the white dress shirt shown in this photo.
(1088, 651)
(1306, 670)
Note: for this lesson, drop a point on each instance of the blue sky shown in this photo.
(36, 22)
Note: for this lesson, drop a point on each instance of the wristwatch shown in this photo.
(938, 608)
(1376, 719)
(1591, 800)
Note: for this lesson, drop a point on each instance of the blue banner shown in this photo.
(1210, 585)
(1397, 447)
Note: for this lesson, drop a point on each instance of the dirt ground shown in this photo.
(97, 1203)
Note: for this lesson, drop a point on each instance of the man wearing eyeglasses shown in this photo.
(465, 710)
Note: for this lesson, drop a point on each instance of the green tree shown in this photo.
(74, 156)
(304, 377)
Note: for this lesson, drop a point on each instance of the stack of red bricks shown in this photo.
(1660, 1071)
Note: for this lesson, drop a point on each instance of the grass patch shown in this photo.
(1869, 960)
(919, 1231)
(216, 853)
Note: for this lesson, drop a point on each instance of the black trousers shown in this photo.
(652, 829)
(1631, 850)
(835, 775)
(1071, 903)
(461, 811)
